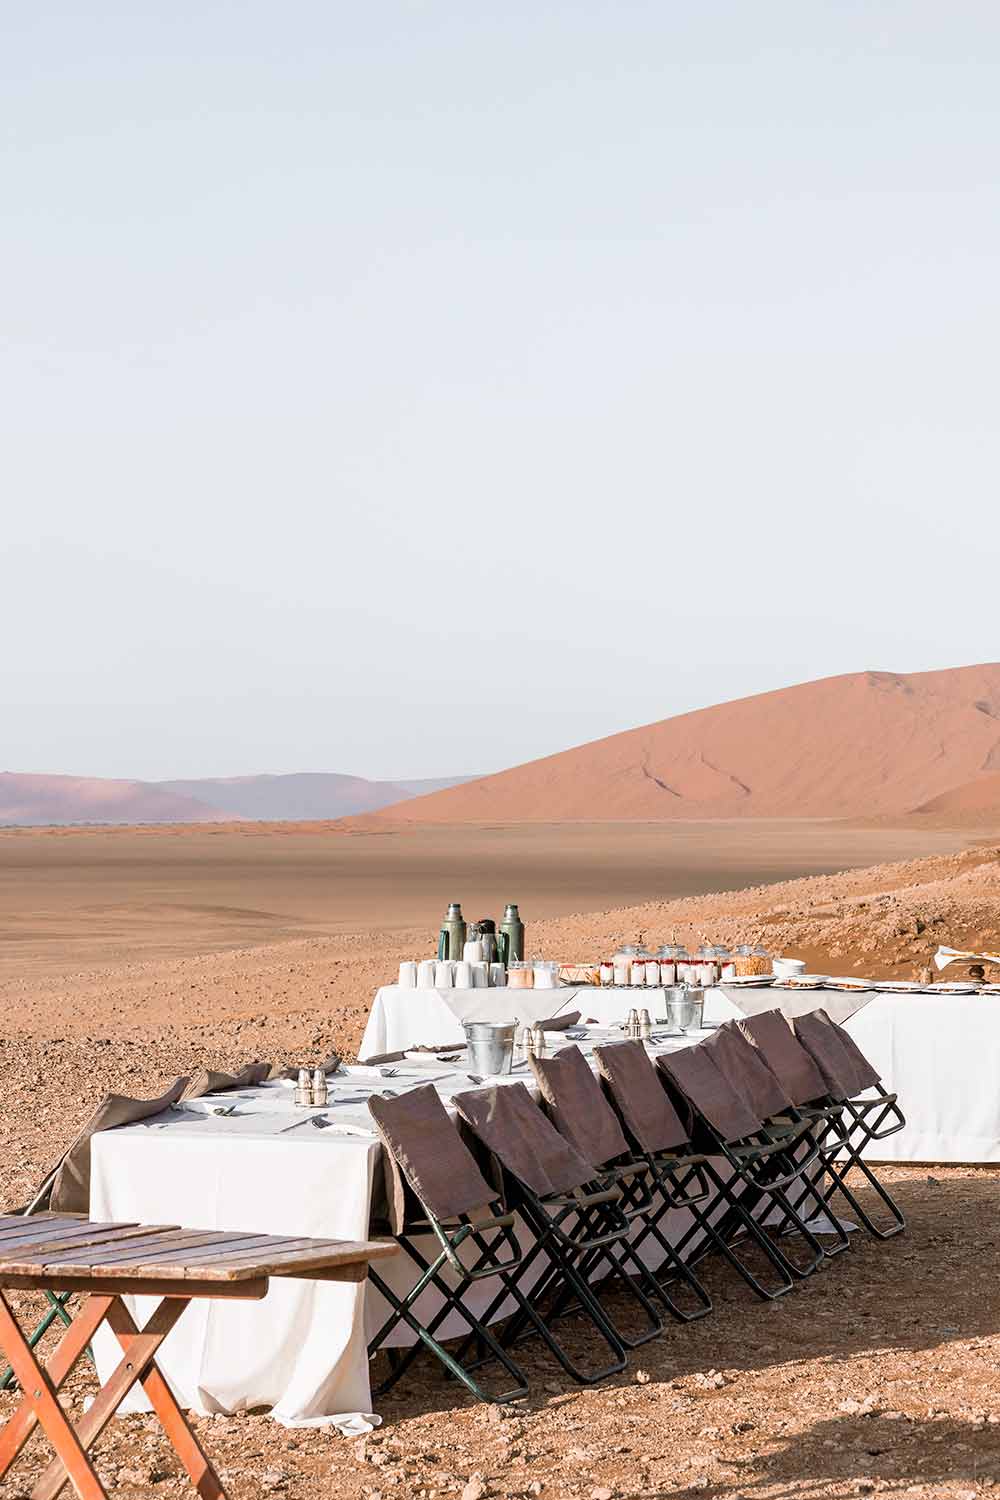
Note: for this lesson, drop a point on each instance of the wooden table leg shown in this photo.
(78, 1335)
(127, 1373)
(40, 1395)
(190, 1452)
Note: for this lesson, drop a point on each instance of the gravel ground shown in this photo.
(878, 1375)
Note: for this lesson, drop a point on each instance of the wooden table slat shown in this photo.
(226, 1246)
(103, 1252)
(88, 1248)
(164, 1246)
(32, 1229)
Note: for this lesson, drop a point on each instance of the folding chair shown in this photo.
(66, 1189)
(654, 1126)
(570, 1212)
(759, 1164)
(573, 1099)
(747, 1070)
(847, 1075)
(435, 1187)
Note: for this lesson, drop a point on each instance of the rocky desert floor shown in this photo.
(882, 1374)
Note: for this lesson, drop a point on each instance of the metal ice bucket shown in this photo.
(491, 1046)
(685, 1007)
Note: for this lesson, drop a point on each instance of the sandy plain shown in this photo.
(131, 956)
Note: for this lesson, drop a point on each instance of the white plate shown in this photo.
(747, 981)
(954, 989)
(850, 983)
(988, 989)
(802, 982)
(900, 986)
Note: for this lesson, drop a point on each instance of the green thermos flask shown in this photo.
(451, 939)
(510, 939)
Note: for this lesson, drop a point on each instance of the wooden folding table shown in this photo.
(106, 1262)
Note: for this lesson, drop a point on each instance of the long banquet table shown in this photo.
(302, 1351)
(937, 1051)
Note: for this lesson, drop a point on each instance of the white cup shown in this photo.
(498, 975)
(443, 974)
(408, 975)
(463, 975)
(426, 974)
(480, 976)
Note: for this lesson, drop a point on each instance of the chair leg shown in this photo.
(57, 1310)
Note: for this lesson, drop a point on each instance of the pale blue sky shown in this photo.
(410, 389)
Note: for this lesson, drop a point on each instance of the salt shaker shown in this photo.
(632, 1023)
(538, 1039)
(320, 1093)
(527, 1043)
(645, 1026)
(303, 1090)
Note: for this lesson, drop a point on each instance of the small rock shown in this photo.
(535, 1487)
(933, 1182)
(601, 1492)
(133, 1476)
(642, 1377)
(273, 1479)
(474, 1490)
(850, 1406)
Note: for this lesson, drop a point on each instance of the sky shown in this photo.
(413, 389)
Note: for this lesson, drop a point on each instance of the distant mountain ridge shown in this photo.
(866, 744)
(29, 800)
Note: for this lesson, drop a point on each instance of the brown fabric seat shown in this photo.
(561, 1022)
(865, 1074)
(510, 1125)
(640, 1097)
(816, 1033)
(71, 1186)
(423, 1149)
(577, 1107)
(695, 1075)
(785, 1055)
(742, 1066)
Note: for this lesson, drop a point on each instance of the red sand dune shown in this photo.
(977, 798)
(860, 745)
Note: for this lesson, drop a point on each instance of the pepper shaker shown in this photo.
(645, 1026)
(320, 1092)
(538, 1039)
(303, 1090)
(527, 1043)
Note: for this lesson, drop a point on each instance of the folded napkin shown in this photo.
(207, 1081)
(561, 1023)
(390, 1057)
(331, 1065)
(945, 956)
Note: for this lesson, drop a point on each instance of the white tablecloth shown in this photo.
(302, 1350)
(402, 1018)
(938, 1052)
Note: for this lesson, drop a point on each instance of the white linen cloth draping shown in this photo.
(402, 1018)
(302, 1350)
(935, 1051)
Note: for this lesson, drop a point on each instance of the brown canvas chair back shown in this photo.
(510, 1124)
(815, 1032)
(785, 1055)
(640, 1097)
(423, 1149)
(71, 1187)
(865, 1075)
(694, 1074)
(742, 1066)
(577, 1107)
(207, 1081)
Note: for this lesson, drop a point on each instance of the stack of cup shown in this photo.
(426, 974)
(463, 975)
(443, 974)
(408, 975)
(498, 975)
